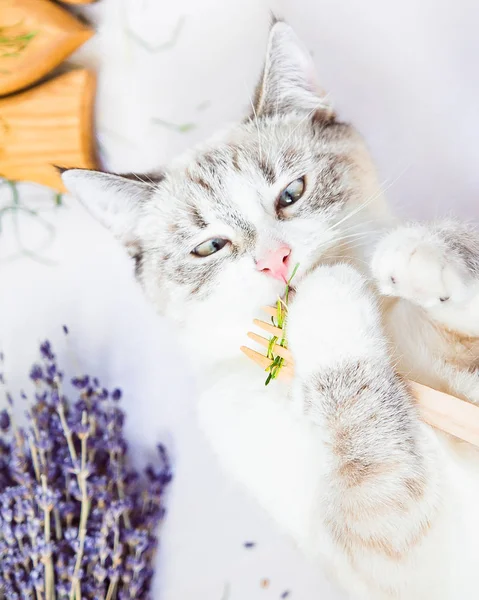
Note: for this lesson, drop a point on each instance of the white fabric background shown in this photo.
(405, 72)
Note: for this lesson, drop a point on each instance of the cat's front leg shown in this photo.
(435, 267)
(379, 499)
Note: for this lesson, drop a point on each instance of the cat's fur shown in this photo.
(340, 458)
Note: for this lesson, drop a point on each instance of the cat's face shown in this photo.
(221, 230)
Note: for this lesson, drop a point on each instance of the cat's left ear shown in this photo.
(289, 82)
(118, 202)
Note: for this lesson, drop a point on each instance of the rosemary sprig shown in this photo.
(153, 49)
(14, 208)
(281, 311)
(180, 128)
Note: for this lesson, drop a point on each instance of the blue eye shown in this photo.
(292, 193)
(210, 247)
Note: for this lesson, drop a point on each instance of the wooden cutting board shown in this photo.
(36, 36)
(50, 124)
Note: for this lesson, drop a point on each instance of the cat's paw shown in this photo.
(333, 318)
(414, 263)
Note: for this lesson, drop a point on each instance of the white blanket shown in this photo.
(169, 75)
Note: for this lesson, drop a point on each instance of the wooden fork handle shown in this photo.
(448, 413)
(442, 411)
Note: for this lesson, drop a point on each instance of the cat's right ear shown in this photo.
(289, 82)
(116, 201)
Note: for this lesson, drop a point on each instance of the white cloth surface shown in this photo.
(404, 72)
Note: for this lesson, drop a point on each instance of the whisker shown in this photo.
(150, 183)
(368, 201)
(353, 236)
(150, 180)
(257, 129)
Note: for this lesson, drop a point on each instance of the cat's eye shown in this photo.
(292, 193)
(209, 247)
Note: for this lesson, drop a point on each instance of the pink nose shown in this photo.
(275, 263)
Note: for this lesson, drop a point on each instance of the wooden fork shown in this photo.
(442, 411)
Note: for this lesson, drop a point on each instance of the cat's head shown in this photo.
(217, 234)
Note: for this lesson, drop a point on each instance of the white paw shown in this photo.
(333, 317)
(413, 263)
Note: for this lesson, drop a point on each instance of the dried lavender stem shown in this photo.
(49, 576)
(145, 500)
(36, 466)
(111, 588)
(121, 494)
(114, 580)
(67, 480)
(58, 524)
(67, 432)
(85, 507)
(43, 462)
(21, 545)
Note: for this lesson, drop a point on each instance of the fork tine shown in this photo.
(286, 371)
(271, 329)
(259, 359)
(277, 349)
(270, 310)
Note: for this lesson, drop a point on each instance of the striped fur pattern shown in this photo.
(339, 458)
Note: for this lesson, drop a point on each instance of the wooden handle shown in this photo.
(448, 413)
(442, 411)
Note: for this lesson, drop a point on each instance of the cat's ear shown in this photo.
(289, 82)
(116, 201)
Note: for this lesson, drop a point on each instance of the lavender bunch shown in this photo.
(76, 522)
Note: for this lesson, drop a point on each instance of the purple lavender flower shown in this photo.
(116, 394)
(33, 527)
(103, 394)
(36, 577)
(41, 397)
(100, 573)
(46, 350)
(51, 370)
(63, 589)
(44, 443)
(4, 420)
(80, 382)
(81, 429)
(7, 514)
(36, 373)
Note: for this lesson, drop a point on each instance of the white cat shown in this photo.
(340, 458)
